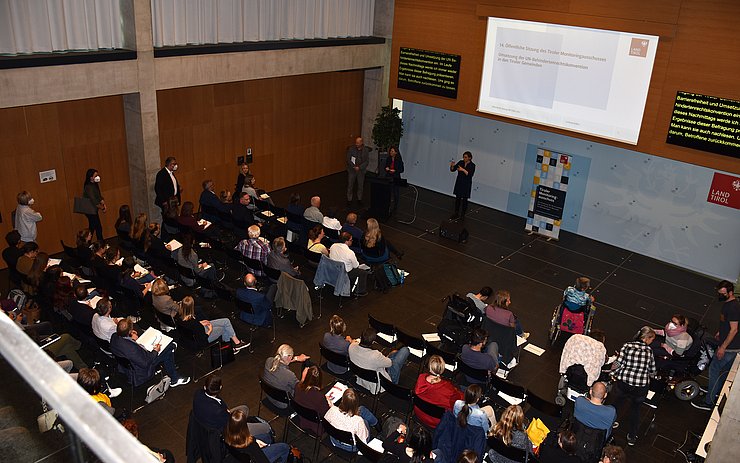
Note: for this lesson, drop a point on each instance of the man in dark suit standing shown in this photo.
(166, 185)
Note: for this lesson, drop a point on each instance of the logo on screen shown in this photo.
(639, 47)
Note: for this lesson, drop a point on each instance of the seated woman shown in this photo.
(277, 371)
(133, 280)
(468, 412)
(559, 448)
(89, 380)
(352, 417)
(375, 248)
(412, 448)
(188, 258)
(308, 394)
(512, 432)
(278, 259)
(336, 341)
(161, 299)
(677, 340)
(124, 221)
(214, 329)
(188, 221)
(33, 281)
(64, 295)
(84, 240)
(145, 239)
(432, 388)
(499, 312)
(241, 446)
(315, 235)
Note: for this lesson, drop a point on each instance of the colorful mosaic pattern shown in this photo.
(552, 170)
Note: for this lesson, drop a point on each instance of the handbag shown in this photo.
(84, 206)
(158, 390)
(222, 354)
(48, 420)
(537, 431)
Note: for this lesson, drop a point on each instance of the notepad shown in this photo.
(431, 337)
(510, 399)
(152, 337)
(534, 349)
(204, 223)
(54, 262)
(173, 245)
(264, 196)
(377, 445)
(267, 213)
(282, 219)
(387, 338)
(139, 269)
(93, 301)
(417, 352)
(336, 392)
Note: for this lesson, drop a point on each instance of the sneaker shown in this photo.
(512, 364)
(181, 381)
(699, 403)
(525, 335)
(241, 345)
(631, 440)
(114, 392)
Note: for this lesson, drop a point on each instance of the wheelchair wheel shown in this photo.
(554, 327)
(686, 390)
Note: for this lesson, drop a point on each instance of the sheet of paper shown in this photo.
(377, 445)
(611, 359)
(264, 196)
(387, 338)
(119, 261)
(282, 219)
(267, 213)
(71, 276)
(511, 400)
(431, 337)
(520, 340)
(173, 245)
(204, 223)
(140, 269)
(83, 281)
(417, 352)
(54, 262)
(451, 367)
(353, 160)
(93, 301)
(534, 349)
(336, 392)
(650, 394)
(363, 267)
(151, 337)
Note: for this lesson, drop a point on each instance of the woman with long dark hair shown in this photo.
(124, 221)
(243, 447)
(468, 412)
(414, 447)
(188, 258)
(91, 191)
(308, 394)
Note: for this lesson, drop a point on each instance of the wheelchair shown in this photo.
(566, 320)
(678, 373)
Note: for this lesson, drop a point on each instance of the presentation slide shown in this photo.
(585, 80)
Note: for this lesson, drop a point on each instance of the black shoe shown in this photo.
(399, 254)
(359, 204)
(631, 440)
(361, 294)
(699, 403)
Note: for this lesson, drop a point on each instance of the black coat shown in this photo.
(164, 189)
(463, 183)
(143, 363)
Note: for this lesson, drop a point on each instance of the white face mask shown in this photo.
(31, 201)
(96, 179)
(174, 168)
(672, 326)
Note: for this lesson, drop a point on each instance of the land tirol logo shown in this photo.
(725, 190)
(639, 47)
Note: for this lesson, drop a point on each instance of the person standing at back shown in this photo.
(91, 191)
(166, 184)
(357, 159)
(26, 218)
(465, 169)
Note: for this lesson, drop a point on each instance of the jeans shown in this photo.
(167, 359)
(718, 370)
(518, 330)
(370, 421)
(222, 328)
(636, 396)
(398, 359)
(275, 452)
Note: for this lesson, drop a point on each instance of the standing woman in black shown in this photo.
(463, 184)
(91, 191)
(394, 167)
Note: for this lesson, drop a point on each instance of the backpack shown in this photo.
(590, 441)
(462, 310)
(157, 391)
(392, 274)
(454, 332)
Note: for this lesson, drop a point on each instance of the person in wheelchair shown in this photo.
(576, 298)
(676, 340)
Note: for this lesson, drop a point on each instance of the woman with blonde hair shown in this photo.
(375, 248)
(512, 431)
(243, 447)
(161, 299)
(433, 388)
(277, 371)
(352, 417)
(214, 329)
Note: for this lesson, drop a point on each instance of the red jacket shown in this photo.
(443, 393)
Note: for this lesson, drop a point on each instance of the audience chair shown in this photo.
(401, 398)
(417, 346)
(479, 376)
(311, 415)
(277, 395)
(341, 360)
(369, 376)
(272, 274)
(386, 332)
(430, 409)
(373, 455)
(507, 393)
(550, 413)
(344, 437)
(449, 358)
(511, 453)
(197, 340)
(242, 306)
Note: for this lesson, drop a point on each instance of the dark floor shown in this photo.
(631, 290)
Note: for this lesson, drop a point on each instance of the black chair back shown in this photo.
(334, 357)
(386, 329)
(450, 358)
(242, 306)
(476, 374)
(410, 341)
(253, 265)
(435, 411)
(543, 406)
(512, 453)
(370, 376)
(273, 392)
(272, 273)
(344, 437)
(373, 455)
(308, 414)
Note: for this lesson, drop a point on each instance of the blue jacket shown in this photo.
(451, 439)
(333, 273)
(261, 306)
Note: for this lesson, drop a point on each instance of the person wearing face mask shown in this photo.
(26, 218)
(729, 345)
(91, 191)
(677, 340)
(166, 184)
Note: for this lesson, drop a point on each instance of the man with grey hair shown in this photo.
(210, 204)
(254, 247)
(261, 314)
(313, 213)
(357, 157)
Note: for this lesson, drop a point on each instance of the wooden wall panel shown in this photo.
(69, 137)
(298, 128)
(698, 52)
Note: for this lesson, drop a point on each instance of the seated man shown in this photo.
(356, 232)
(255, 247)
(480, 356)
(103, 325)
(341, 252)
(592, 412)
(80, 311)
(313, 213)
(144, 363)
(363, 355)
(242, 212)
(210, 204)
(589, 351)
(261, 305)
(480, 298)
